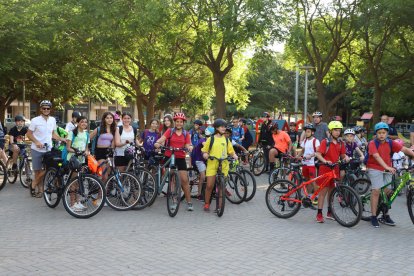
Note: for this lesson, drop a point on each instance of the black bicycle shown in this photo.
(219, 190)
(23, 169)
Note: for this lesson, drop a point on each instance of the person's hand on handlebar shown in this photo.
(205, 155)
(391, 169)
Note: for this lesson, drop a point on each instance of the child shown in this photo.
(149, 136)
(237, 147)
(328, 156)
(237, 132)
(17, 136)
(294, 137)
(220, 149)
(199, 161)
(352, 150)
(195, 135)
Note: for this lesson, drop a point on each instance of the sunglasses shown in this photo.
(45, 108)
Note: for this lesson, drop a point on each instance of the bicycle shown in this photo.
(284, 169)
(385, 201)
(248, 176)
(24, 168)
(258, 160)
(219, 187)
(353, 177)
(83, 195)
(287, 196)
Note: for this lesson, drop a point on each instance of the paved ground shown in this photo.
(247, 240)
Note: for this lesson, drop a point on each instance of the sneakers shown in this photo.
(329, 216)
(387, 220)
(319, 218)
(374, 222)
(315, 201)
(190, 206)
(78, 207)
(207, 207)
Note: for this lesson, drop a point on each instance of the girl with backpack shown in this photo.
(149, 136)
(124, 135)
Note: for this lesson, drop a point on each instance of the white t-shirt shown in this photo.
(396, 163)
(42, 131)
(307, 145)
(70, 127)
(125, 136)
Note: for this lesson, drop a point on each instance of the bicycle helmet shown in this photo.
(335, 125)
(76, 114)
(317, 113)
(357, 129)
(400, 142)
(74, 163)
(219, 123)
(229, 129)
(274, 127)
(349, 131)
(209, 131)
(381, 125)
(266, 114)
(309, 126)
(45, 103)
(179, 115)
(18, 118)
(198, 122)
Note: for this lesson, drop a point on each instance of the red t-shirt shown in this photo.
(176, 141)
(334, 152)
(384, 152)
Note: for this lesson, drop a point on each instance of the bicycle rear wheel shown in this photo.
(346, 206)
(123, 191)
(220, 195)
(250, 184)
(235, 188)
(410, 203)
(282, 208)
(361, 185)
(279, 174)
(26, 174)
(84, 204)
(259, 164)
(194, 178)
(3, 175)
(173, 193)
(11, 173)
(148, 188)
(52, 188)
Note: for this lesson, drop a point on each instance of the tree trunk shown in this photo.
(2, 113)
(320, 92)
(376, 103)
(220, 89)
(140, 110)
(152, 96)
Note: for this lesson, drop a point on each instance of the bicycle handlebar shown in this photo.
(228, 158)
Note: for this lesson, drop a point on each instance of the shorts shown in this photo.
(121, 161)
(212, 167)
(324, 169)
(100, 153)
(309, 172)
(37, 160)
(181, 164)
(378, 178)
(201, 166)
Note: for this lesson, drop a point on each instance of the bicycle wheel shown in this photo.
(11, 173)
(282, 208)
(193, 177)
(250, 184)
(52, 188)
(148, 188)
(259, 164)
(123, 191)
(26, 174)
(3, 175)
(361, 185)
(86, 203)
(279, 174)
(346, 206)
(235, 188)
(366, 207)
(410, 203)
(173, 193)
(220, 195)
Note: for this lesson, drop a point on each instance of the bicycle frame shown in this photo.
(168, 165)
(404, 180)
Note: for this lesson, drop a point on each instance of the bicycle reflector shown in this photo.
(94, 166)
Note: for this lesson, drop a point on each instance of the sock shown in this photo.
(319, 211)
(272, 165)
(329, 209)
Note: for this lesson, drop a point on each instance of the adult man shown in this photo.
(70, 126)
(17, 136)
(265, 137)
(392, 133)
(321, 128)
(41, 131)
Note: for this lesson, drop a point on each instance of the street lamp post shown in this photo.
(296, 92)
(305, 109)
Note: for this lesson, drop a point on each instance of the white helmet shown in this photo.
(349, 131)
(317, 113)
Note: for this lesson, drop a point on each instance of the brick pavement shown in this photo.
(247, 240)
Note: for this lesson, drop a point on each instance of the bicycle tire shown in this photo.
(250, 184)
(279, 174)
(361, 185)
(287, 208)
(52, 188)
(11, 174)
(193, 177)
(3, 176)
(128, 198)
(26, 174)
(366, 207)
(259, 164)
(220, 196)
(410, 203)
(148, 188)
(93, 197)
(173, 193)
(345, 198)
(235, 188)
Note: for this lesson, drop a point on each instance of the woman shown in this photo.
(167, 123)
(124, 135)
(105, 139)
(179, 138)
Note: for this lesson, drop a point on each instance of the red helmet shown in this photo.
(179, 115)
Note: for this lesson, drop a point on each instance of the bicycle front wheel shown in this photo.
(361, 185)
(52, 188)
(259, 164)
(235, 188)
(282, 208)
(279, 174)
(410, 203)
(173, 193)
(250, 184)
(11, 173)
(220, 195)
(148, 188)
(26, 174)
(123, 191)
(3, 176)
(84, 201)
(346, 206)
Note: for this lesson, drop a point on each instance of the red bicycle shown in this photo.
(284, 198)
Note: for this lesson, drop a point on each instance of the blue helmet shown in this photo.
(209, 131)
(381, 125)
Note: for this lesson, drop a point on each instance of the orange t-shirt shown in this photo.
(281, 140)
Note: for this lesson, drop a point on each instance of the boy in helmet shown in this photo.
(330, 151)
(70, 126)
(17, 138)
(379, 159)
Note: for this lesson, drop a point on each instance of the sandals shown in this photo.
(39, 195)
(32, 191)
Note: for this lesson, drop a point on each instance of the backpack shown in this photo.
(377, 145)
(65, 150)
(212, 142)
(95, 140)
(171, 134)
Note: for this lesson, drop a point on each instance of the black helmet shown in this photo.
(219, 123)
(274, 126)
(19, 118)
(76, 114)
(229, 129)
(309, 126)
(74, 163)
(198, 122)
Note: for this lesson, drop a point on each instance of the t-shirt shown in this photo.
(384, 151)
(219, 149)
(281, 141)
(80, 142)
(70, 126)
(320, 132)
(18, 135)
(176, 141)
(42, 130)
(236, 134)
(293, 135)
(307, 145)
(350, 148)
(149, 138)
(334, 152)
(198, 155)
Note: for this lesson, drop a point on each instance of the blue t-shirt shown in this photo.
(149, 139)
(236, 134)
